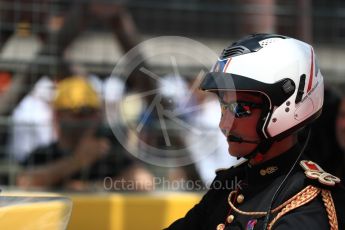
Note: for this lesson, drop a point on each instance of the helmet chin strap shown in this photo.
(259, 151)
(262, 147)
(263, 144)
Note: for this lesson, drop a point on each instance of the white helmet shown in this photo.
(281, 68)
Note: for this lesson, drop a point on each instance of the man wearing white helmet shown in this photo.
(269, 88)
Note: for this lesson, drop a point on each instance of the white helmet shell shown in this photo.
(283, 69)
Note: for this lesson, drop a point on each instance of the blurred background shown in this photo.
(56, 134)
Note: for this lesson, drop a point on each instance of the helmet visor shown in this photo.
(277, 92)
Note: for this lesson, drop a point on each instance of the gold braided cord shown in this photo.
(308, 189)
(240, 211)
(331, 213)
(308, 194)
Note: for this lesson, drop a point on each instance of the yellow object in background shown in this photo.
(75, 93)
(29, 211)
(112, 211)
(34, 216)
(129, 211)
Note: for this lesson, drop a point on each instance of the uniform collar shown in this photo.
(269, 170)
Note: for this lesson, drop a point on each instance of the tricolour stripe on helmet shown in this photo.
(311, 75)
(226, 65)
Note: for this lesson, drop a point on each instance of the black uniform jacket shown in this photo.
(255, 186)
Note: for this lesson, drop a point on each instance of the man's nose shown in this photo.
(227, 122)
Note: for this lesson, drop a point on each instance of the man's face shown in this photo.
(340, 125)
(73, 125)
(244, 123)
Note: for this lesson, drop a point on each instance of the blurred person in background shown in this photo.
(206, 118)
(32, 121)
(171, 93)
(82, 156)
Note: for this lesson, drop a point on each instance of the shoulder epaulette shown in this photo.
(315, 172)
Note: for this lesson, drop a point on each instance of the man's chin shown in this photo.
(235, 152)
(240, 149)
(239, 152)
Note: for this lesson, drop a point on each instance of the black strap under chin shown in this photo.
(262, 148)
